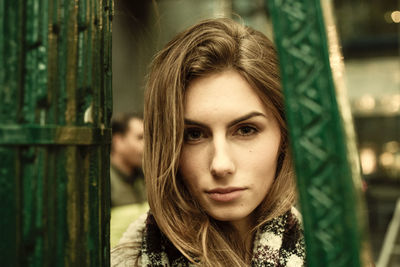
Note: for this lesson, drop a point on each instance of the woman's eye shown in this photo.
(193, 134)
(246, 130)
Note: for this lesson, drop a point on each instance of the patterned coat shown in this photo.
(279, 242)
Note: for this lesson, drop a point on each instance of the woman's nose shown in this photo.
(222, 163)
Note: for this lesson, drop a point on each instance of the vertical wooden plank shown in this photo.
(31, 206)
(107, 59)
(84, 96)
(2, 44)
(104, 195)
(96, 60)
(10, 47)
(62, 11)
(94, 227)
(34, 100)
(10, 73)
(51, 193)
(61, 208)
(9, 193)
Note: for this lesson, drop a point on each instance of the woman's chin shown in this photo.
(229, 216)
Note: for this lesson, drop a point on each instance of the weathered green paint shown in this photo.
(55, 67)
(327, 195)
(56, 135)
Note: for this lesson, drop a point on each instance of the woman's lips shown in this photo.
(225, 194)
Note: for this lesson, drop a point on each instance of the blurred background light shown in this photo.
(386, 159)
(392, 146)
(395, 16)
(390, 103)
(387, 17)
(368, 160)
(390, 159)
(366, 103)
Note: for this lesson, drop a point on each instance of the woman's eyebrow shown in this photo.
(246, 117)
(192, 122)
(235, 121)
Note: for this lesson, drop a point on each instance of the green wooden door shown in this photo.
(55, 108)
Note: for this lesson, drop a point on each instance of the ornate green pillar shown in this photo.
(55, 108)
(322, 138)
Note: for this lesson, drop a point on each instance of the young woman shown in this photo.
(218, 173)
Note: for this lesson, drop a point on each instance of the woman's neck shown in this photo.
(243, 228)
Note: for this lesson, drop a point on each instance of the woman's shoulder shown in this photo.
(127, 252)
(296, 213)
(281, 241)
(292, 251)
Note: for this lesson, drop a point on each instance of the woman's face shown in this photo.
(230, 151)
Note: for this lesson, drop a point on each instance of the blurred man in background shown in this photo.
(127, 181)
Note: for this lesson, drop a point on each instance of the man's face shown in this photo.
(130, 145)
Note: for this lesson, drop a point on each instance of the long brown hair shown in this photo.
(208, 47)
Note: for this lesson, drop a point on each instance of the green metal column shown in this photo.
(323, 147)
(55, 108)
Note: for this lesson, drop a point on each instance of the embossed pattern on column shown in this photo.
(327, 195)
